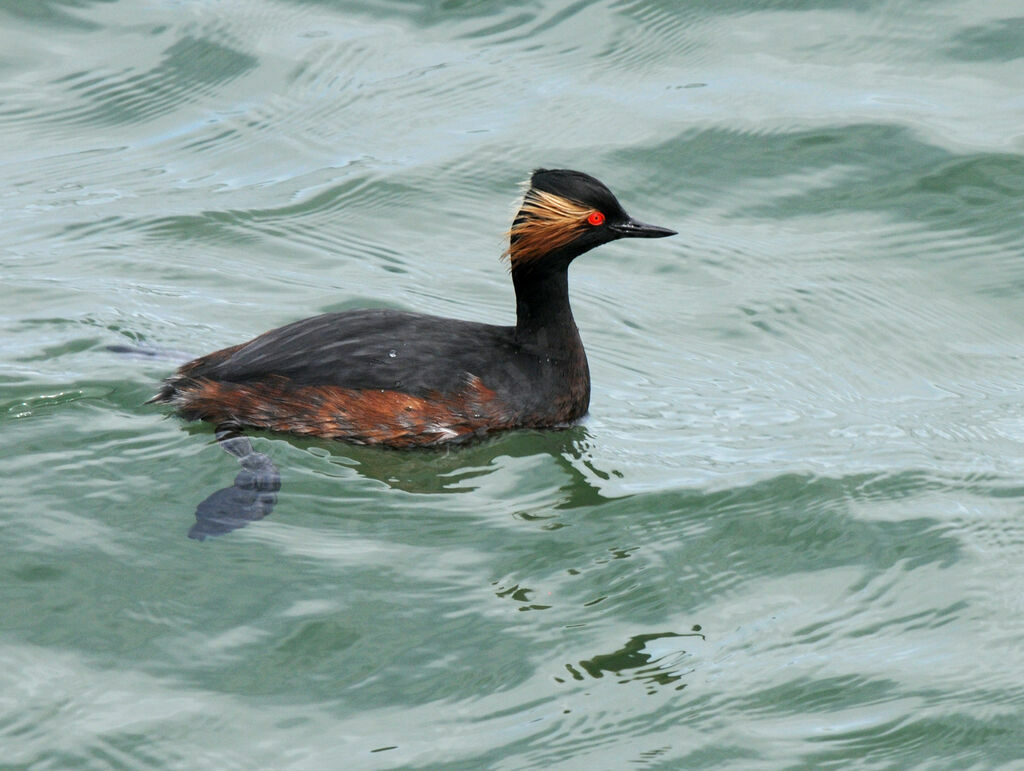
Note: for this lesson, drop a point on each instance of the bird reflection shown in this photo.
(254, 491)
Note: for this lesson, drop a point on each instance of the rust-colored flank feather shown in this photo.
(357, 415)
(545, 222)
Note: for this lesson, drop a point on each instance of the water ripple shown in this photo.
(787, 534)
(190, 69)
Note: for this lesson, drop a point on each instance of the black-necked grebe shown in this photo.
(410, 380)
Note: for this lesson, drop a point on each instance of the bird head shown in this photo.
(565, 213)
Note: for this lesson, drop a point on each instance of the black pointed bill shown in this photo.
(633, 229)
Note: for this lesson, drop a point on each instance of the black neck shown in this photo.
(543, 315)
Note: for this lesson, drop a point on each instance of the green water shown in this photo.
(789, 534)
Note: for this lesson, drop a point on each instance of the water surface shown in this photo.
(790, 532)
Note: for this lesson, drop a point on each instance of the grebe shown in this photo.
(401, 379)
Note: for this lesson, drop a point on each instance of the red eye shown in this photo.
(596, 218)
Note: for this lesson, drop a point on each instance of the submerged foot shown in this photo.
(251, 497)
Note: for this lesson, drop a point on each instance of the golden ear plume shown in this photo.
(545, 222)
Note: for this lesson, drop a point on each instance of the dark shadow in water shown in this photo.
(633, 663)
(425, 471)
(250, 497)
(444, 470)
(999, 40)
(140, 352)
